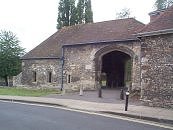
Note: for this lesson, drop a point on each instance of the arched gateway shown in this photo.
(114, 67)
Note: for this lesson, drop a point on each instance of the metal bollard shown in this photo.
(100, 92)
(127, 100)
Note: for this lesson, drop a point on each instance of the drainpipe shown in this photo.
(140, 68)
(62, 67)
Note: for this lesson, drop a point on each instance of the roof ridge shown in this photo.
(66, 27)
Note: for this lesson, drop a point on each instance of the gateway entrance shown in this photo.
(116, 69)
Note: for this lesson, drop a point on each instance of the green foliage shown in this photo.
(80, 11)
(88, 12)
(163, 4)
(124, 13)
(69, 14)
(84, 11)
(27, 92)
(10, 52)
(66, 13)
(73, 18)
(160, 4)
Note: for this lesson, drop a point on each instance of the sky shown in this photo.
(33, 21)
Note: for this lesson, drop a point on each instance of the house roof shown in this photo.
(162, 23)
(122, 29)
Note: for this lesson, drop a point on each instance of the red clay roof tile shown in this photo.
(162, 22)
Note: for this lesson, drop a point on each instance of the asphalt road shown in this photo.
(26, 117)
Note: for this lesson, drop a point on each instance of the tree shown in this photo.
(69, 14)
(10, 52)
(88, 12)
(163, 4)
(124, 13)
(84, 11)
(73, 18)
(81, 11)
(66, 13)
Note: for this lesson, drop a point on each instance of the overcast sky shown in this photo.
(35, 20)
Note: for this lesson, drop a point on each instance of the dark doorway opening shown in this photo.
(116, 69)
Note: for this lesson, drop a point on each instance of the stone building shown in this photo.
(113, 54)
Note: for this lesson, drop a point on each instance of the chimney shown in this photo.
(155, 14)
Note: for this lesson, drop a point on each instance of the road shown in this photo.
(15, 116)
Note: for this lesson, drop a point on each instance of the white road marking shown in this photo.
(99, 114)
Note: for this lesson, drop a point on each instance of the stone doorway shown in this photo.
(115, 70)
(111, 63)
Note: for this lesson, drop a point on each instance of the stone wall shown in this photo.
(42, 68)
(17, 80)
(80, 63)
(80, 66)
(157, 70)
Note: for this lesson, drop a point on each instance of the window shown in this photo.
(34, 76)
(68, 78)
(49, 77)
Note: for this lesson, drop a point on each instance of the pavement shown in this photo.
(109, 104)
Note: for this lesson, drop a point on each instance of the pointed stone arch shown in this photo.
(105, 50)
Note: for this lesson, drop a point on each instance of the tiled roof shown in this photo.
(162, 22)
(122, 29)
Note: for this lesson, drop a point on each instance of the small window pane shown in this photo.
(69, 78)
(49, 77)
(34, 76)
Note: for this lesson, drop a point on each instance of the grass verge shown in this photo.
(15, 91)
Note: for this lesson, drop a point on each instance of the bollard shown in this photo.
(100, 92)
(62, 92)
(122, 94)
(127, 98)
(81, 91)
